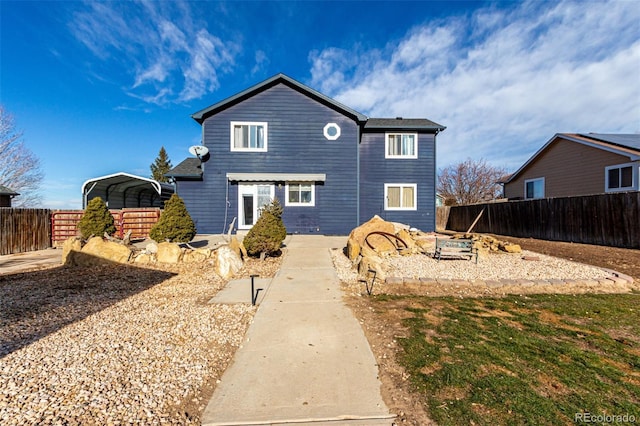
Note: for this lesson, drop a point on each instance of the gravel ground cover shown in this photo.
(115, 344)
(466, 278)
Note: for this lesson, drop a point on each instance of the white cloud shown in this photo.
(502, 81)
(262, 61)
(169, 56)
(208, 56)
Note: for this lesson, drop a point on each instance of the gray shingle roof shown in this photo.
(629, 140)
(403, 123)
(189, 168)
(6, 191)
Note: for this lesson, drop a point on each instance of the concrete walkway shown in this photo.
(305, 359)
(29, 261)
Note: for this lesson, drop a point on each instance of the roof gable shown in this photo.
(624, 146)
(203, 114)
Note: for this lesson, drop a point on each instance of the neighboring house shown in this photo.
(578, 164)
(6, 195)
(331, 167)
(439, 200)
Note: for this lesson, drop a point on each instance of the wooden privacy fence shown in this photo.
(442, 217)
(24, 230)
(64, 223)
(605, 219)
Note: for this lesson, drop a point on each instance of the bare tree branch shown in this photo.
(472, 181)
(19, 167)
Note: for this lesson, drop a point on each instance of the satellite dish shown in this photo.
(199, 150)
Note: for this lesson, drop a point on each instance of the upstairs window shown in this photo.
(533, 188)
(248, 136)
(401, 145)
(400, 196)
(621, 177)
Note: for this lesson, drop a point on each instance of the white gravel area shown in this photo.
(140, 358)
(492, 266)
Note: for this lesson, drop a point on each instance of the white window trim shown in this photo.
(287, 203)
(386, 146)
(249, 123)
(544, 189)
(243, 188)
(635, 181)
(401, 185)
(325, 131)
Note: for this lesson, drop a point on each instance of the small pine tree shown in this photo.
(96, 220)
(267, 235)
(175, 224)
(160, 166)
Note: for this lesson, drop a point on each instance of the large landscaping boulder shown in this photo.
(237, 246)
(371, 261)
(227, 262)
(98, 251)
(71, 247)
(509, 247)
(196, 256)
(379, 243)
(168, 253)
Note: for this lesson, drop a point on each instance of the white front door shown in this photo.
(251, 199)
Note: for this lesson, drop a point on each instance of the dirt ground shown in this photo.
(383, 328)
(625, 261)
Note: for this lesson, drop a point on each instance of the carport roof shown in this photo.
(123, 183)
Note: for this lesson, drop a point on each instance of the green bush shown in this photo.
(96, 220)
(175, 224)
(267, 235)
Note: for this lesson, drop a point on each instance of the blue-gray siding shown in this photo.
(376, 170)
(296, 144)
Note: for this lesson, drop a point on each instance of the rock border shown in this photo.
(616, 278)
(226, 258)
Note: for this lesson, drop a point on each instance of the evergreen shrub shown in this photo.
(96, 220)
(175, 224)
(267, 235)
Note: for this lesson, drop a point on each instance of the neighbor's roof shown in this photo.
(629, 140)
(189, 168)
(6, 191)
(201, 115)
(627, 145)
(400, 123)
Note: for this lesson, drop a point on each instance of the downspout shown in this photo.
(358, 175)
(435, 179)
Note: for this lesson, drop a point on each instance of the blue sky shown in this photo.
(98, 87)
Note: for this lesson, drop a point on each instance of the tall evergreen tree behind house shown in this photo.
(160, 166)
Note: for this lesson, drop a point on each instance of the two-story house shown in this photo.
(330, 166)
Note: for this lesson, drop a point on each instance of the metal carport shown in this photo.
(124, 190)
